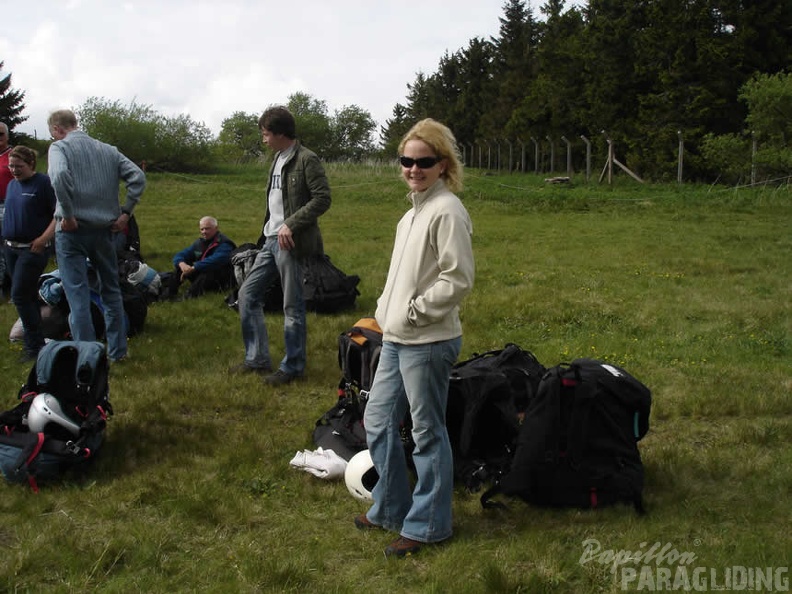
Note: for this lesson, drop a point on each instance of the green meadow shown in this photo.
(687, 287)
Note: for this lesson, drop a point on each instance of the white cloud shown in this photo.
(210, 59)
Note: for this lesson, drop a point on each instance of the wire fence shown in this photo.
(553, 156)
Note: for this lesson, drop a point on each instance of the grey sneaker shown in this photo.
(280, 378)
(242, 368)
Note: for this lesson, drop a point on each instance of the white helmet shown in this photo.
(46, 409)
(361, 476)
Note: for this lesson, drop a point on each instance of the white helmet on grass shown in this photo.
(361, 476)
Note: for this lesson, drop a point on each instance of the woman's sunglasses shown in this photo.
(423, 162)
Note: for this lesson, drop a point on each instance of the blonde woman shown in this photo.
(431, 270)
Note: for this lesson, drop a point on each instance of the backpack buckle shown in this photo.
(73, 448)
(481, 473)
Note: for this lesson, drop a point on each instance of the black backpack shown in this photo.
(76, 375)
(487, 396)
(358, 354)
(135, 301)
(327, 289)
(341, 428)
(578, 442)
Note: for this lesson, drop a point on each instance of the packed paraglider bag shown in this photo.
(59, 423)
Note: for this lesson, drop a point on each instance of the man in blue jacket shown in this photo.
(206, 263)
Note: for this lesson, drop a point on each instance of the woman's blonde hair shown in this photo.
(442, 141)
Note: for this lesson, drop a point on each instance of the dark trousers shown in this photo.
(220, 279)
(25, 267)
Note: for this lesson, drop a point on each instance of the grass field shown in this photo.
(689, 288)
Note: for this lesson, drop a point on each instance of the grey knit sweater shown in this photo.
(85, 174)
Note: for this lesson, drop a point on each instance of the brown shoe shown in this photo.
(402, 547)
(363, 523)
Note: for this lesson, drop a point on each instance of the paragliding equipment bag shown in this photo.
(341, 428)
(487, 396)
(578, 444)
(72, 379)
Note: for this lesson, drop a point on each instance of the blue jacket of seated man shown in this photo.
(207, 254)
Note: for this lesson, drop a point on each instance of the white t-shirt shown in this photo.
(275, 198)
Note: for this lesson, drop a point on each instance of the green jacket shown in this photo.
(306, 196)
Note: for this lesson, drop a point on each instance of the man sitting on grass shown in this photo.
(206, 263)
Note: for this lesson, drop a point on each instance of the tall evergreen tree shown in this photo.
(419, 98)
(394, 129)
(686, 55)
(763, 34)
(553, 104)
(444, 89)
(11, 102)
(475, 74)
(514, 67)
(639, 71)
(612, 85)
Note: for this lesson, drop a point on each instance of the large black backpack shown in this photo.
(76, 375)
(326, 289)
(487, 396)
(578, 441)
(341, 428)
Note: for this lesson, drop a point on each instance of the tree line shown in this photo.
(179, 143)
(637, 74)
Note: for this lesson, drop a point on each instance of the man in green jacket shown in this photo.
(297, 195)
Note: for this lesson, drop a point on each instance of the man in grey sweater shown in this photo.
(85, 174)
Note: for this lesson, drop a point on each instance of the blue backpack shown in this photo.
(59, 423)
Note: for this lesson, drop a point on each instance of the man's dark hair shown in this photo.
(278, 120)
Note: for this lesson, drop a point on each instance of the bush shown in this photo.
(728, 157)
(144, 135)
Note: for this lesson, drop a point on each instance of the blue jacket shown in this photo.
(206, 255)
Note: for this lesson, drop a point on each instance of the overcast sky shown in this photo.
(210, 59)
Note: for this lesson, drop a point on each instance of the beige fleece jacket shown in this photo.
(431, 270)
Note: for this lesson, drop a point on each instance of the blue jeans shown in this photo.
(71, 249)
(414, 377)
(25, 268)
(272, 263)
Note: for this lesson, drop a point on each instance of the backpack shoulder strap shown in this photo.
(363, 342)
(32, 445)
(11, 420)
(578, 427)
(90, 360)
